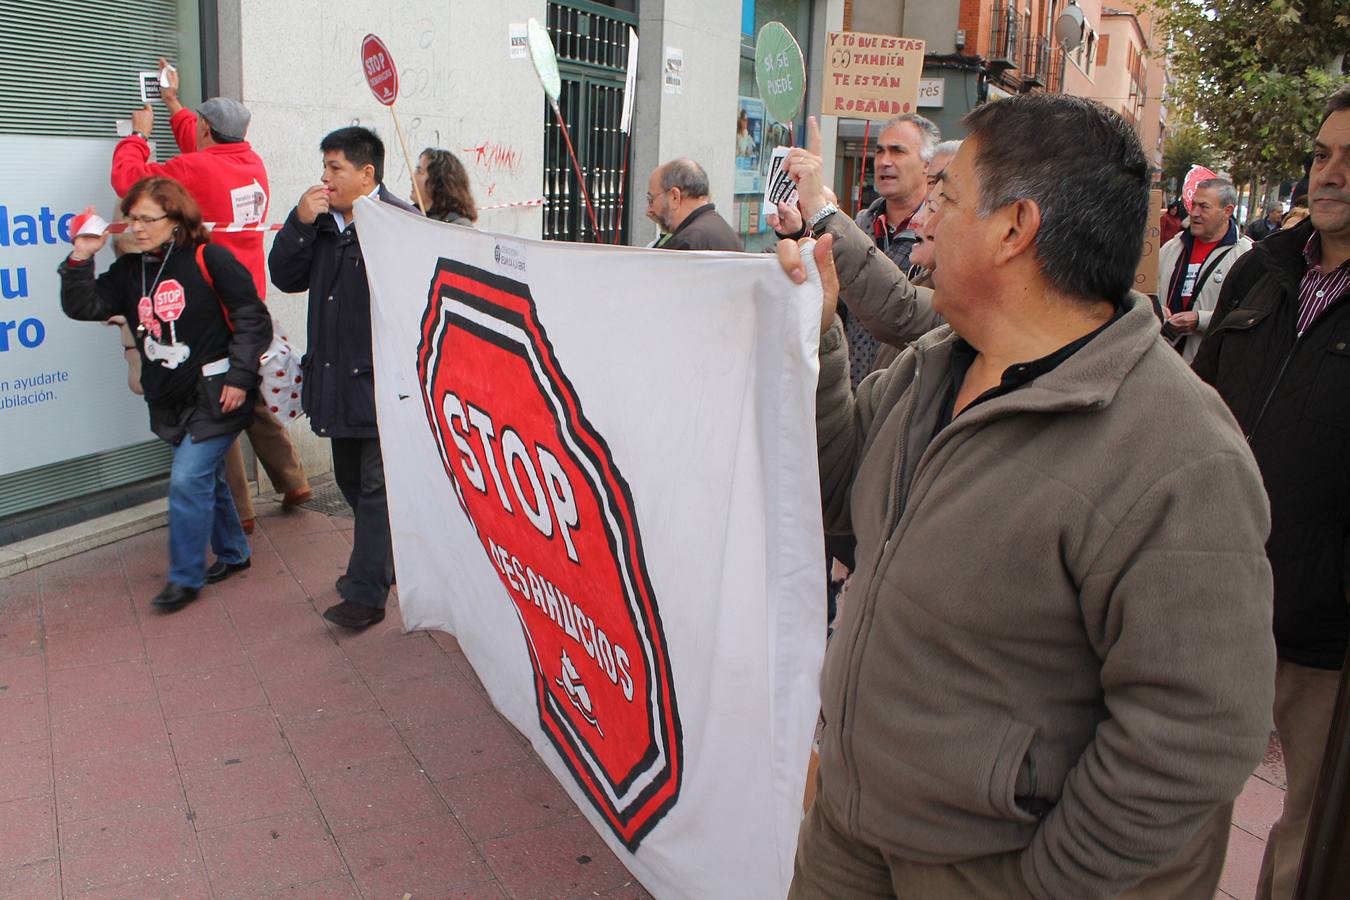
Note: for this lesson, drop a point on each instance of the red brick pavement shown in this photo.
(242, 747)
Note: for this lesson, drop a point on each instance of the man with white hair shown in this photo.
(905, 148)
(1193, 265)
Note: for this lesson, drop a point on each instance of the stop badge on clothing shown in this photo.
(378, 65)
(169, 300)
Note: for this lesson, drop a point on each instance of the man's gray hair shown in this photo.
(686, 175)
(1228, 195)
(946, 148)
(929, 135)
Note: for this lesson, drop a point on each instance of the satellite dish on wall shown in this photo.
(1069, 27)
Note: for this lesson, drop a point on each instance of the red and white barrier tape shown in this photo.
(119, 227)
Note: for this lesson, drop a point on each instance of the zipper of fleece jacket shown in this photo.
(859, 637)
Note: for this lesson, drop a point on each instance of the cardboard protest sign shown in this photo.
(630, 564)
(1146, 276)
(871, 76)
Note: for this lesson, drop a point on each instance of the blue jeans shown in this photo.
(200, 508)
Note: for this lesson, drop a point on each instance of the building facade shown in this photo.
(76, 443)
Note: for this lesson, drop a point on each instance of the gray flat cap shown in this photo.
(227, 118)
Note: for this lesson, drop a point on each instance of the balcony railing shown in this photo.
(1036, 66)
(1004, 37)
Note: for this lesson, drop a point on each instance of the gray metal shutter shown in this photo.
(68, 69)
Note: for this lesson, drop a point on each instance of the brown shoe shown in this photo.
(296, 497)
(247, 525)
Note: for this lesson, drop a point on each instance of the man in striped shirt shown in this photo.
(1278, 351)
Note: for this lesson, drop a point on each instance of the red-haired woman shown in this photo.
(200, 329)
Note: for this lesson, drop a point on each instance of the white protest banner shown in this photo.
(870, 76)
(602, 478)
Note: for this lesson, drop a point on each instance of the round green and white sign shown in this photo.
(780, 72)
(544, 57)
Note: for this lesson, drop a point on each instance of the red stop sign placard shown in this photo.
(170, 300)
(378, 65)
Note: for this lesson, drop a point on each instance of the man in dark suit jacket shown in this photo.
(317, 249)
(677, 201)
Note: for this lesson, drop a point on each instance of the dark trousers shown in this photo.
(359, 471)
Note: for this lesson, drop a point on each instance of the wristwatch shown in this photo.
(821, 215)
(142, 135)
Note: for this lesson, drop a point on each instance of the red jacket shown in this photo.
(224, 179)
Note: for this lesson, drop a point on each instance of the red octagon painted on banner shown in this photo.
(378, 65)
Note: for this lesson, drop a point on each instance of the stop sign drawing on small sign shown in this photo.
(169, 300)
(378, 65)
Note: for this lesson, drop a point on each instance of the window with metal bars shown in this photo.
(592, 44)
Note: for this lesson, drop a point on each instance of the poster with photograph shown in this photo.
(749, 139)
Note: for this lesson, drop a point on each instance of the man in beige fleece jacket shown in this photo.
(1052, 673)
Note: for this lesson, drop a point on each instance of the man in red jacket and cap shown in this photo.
(229, 182)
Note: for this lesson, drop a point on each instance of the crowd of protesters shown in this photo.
(1053, 665)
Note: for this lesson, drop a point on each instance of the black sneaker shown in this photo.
(353, 615)
(173, 597)
(219, 571)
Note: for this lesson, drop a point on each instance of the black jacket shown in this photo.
(703, 229)
(1291, 396)
(181, 399)
(338, 393)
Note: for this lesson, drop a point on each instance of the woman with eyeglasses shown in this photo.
(200, 329)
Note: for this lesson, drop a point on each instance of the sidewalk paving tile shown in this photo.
(258, 623)
(466, 747)
(25, 719)
(347, 740)
(38, 879)
(25, 771)
(240, 790)
(144, 844)
(300, 699)
(311, 655)
(400, 657)
(116, 783)
(388, 791)
(84, 732)
(328, 889)
(566, 859)
(254, 858)
(504, 801)
(103, 611)
(1258, 807)
(84, 648)
(206, 613)
(211, 739)
(19, 636)
(21, 676)
(189, 885)
(427, 858)
(27, 831)
(195, 651)
(102, 685)
(419, 702)
(215, 690)
(1242, 865)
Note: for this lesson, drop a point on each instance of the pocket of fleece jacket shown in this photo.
(1012, 773)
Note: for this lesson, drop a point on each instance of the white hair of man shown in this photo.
(1228, 195)
(929, 135)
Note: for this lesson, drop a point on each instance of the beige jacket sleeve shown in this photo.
(875, 290)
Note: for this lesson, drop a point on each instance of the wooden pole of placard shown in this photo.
(407, 157)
